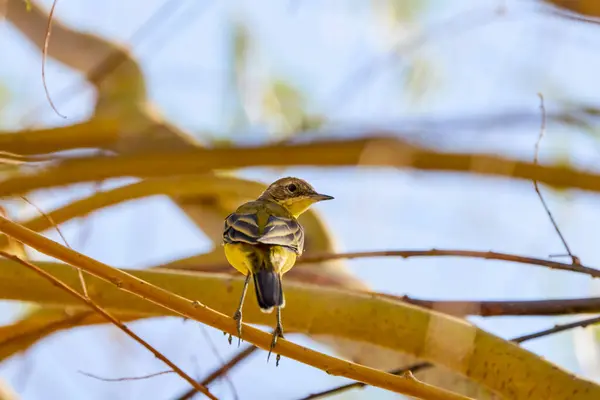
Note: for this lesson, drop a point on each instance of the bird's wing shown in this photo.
(263, 227)
(282, 231)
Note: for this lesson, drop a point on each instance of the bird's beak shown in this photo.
(321, 197)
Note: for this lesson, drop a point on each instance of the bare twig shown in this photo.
(112, 319)
(45, 55)
(115, 57)
(51, 221)
(424, 365)
(221, 371)
(491, 308)
(221, 361)
(488, 255)
(558, 328)
(132, 378)
(574, 258)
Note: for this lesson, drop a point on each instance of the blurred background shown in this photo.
(458, 76)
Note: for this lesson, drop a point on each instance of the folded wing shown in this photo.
(252, 228)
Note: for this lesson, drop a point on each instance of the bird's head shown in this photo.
(295, 194)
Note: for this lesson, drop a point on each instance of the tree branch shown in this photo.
(486, 255)
(463, 308)
(393, 325)
(221, 371)
(375, 152)
(421, 366)
(198, 311)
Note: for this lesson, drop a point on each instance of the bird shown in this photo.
(262, 239)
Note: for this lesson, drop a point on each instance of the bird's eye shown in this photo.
(292, 188)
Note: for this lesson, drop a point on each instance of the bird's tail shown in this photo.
(267, 284)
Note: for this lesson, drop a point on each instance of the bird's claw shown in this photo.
(237, 317)
(278, 333)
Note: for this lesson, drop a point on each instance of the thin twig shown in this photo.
(492, 308)
(51, 221)
(488, 255)
(424, 365)
(221, 371)
(131, 378)
(574, 258)
(221, 361)
(112, 319)
(102, 69)
(45, 55)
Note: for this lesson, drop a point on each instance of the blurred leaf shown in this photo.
(240, 45)
(420, 76)
(284, 106)
(398, 12)
(241, 41)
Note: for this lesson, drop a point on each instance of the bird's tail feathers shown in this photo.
(269, 293)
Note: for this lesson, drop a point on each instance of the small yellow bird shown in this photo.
(262, 239)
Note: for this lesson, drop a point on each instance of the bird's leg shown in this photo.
(277, 333)
(237, 316)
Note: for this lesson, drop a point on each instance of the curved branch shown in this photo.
(376, 152)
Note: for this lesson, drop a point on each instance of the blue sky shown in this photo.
(494, 66)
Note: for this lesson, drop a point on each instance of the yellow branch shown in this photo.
(489, 360)
(198, 311)
(375, 152)
(91, 134)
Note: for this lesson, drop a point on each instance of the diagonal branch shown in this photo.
(112, 319)
(221, 371)
(195, 310)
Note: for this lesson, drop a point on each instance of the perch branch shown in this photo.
(199, 312)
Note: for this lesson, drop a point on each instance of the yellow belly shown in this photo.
(243, 256)
(237, 256)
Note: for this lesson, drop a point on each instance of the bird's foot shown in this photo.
(278, 333)
(237, 317)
